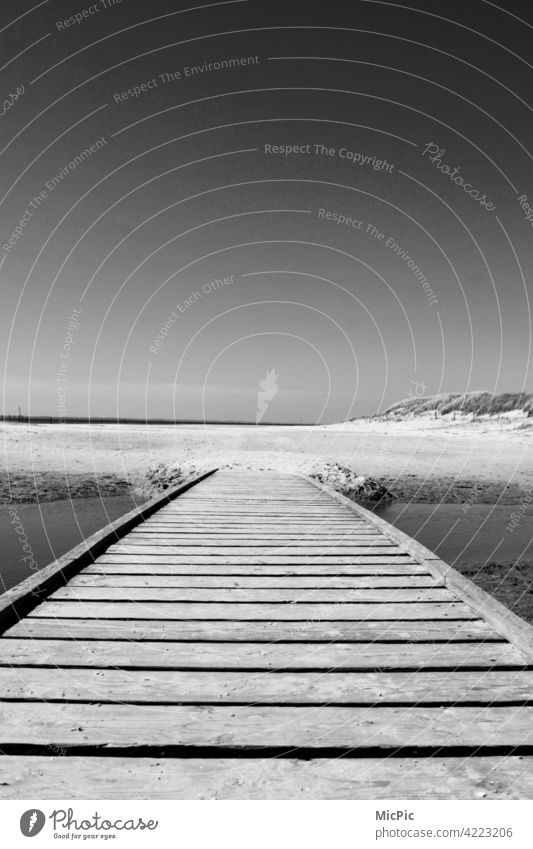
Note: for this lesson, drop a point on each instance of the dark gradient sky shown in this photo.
(182, 193)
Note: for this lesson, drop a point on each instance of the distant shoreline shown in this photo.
(15, 419)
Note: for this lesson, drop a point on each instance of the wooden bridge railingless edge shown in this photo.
(256, 635)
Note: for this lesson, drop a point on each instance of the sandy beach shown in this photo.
(421, 459)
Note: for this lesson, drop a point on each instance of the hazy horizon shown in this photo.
(414, 395)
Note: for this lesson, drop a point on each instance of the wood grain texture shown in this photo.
(251, 596)
(253, 540)
(281, 582)
(245, 612)
(269, 631)
(258, 554)
(387, 728)
(228, 525)
(247, 655)
(152, 564)
(30, 777)
(152, 686)
(230, 550)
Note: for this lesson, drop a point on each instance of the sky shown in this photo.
(259, 211)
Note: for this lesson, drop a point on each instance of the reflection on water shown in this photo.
(460, 536)
(33, 535)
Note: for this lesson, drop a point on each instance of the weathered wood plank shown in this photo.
(245, 612)
(152, 564)
(138, 629)
(69, 725)
(43, 777)
(250, 538)
(323, 513)
(243, 551)
(258, 554)
(152, 536)
(232, 528)
(241, 655)
(210, 512)
(327, 532)
(189, 507)
(251, 596)
(206, 519)
(255, 582)
(154, 686)
(253, 540)
(394, 556)
(271, 499)
(242, 524)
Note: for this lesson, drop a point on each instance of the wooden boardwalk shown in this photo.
(261, 637)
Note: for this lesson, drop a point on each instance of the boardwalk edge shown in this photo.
(17, 602)
(501, 618)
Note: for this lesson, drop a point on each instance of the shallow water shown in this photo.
(474, 537)
(477, 535)
(50, 529)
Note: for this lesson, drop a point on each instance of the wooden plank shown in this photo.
(220, 551)
(250, 540)
(215, 514)
(23, 597)
(297, 505)
(245, 612)
(154, 686)
(254, 582)
(245, 524)
(139, 629)
(205, 521)
(386, 728)
(213, 510)
(328, 530)
(154, 533)
(225, 535)
(244, 655)
(222, 506)
(45, 777)
(130, 566)
(152, 564)
(230, 528)
(266, 559)
(211, 514)
(270, 496)
(348, 545)
(272, 502)
(222, 502)
(507, 623)
(251, 596)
